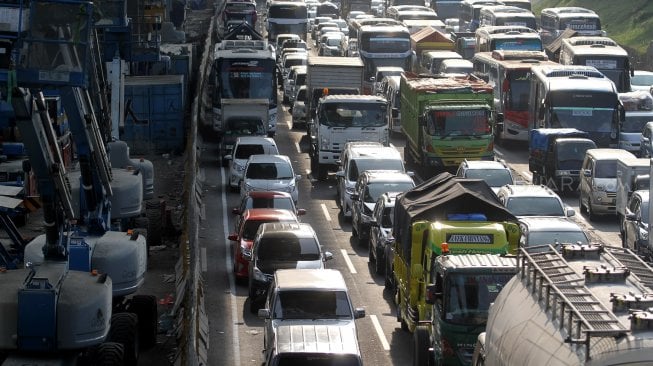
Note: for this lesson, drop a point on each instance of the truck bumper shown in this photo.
(328, 157)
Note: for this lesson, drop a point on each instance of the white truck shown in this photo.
(571, 305)
(337, 74)
(242, 117)
(630, 177)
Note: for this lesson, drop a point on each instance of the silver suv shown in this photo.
(495, 173)
(533, 200)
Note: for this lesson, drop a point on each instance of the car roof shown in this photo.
(264, 158)
(252, 140)
(285, 229)
(536, 224)
(258, 214)
(316, 339)
(606, 153)
(309, 279)
(527, 190)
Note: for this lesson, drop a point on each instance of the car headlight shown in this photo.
(259, 276)
(599, 188)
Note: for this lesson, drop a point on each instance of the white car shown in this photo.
(641, 80)
(242, 150)
(269, 173)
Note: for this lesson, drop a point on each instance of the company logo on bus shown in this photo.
(470, 238)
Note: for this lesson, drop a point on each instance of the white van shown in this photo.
(243, 149)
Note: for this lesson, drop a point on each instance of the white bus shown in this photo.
(581, 97)
(554, 21)
(512, 38)
(287, 17)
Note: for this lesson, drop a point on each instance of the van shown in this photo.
(357, 157)
(302, 306)
(243, 149)
(598, 181)
(431, 60)
(456, 66)
(393, 96)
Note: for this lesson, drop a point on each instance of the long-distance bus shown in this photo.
(507, 15)
(512, 38)
(470, 13)
(581, 97)
(381, 45)
(245, 73)
(554, 21)
(509, 74)
(601, 52)
(287, 17)
(446, 8)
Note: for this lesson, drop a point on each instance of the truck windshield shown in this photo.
(470, 296)
(468, 122)
(571, 154)
(312, 304)
(353, 114)
(313, 359)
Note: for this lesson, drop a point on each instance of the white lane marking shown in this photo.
(379, 333)
(230, 274)
(299, 150)
(288, 123)
(326, 212)
(348, 261)
(203, 259)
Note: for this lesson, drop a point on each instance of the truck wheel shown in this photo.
(124, 330)
(145, 308)
(421, 346)
(110, 354)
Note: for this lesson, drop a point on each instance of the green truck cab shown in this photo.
(465, 214)
(447, 119)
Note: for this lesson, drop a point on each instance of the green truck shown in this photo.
(447, 119)
(444, 214)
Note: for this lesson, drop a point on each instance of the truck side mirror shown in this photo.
(328, 256)
(570, 212)
(631, 216)
(499, 118)
(233, 237)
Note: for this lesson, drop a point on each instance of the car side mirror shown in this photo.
(263, 313)
(631, 216)
(301, 211)
(410, 173)
(340, 174)
(570, 212)
(328, 256)
(228, 157)
(233, 237)
(359, 313)
(235, 211)
(247, 256)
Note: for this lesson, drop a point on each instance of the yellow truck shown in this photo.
(461, 215)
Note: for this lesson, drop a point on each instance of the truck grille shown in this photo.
(462, 151)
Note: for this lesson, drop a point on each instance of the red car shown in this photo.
(244, 236)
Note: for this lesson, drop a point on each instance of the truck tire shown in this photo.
(145, 308)
(421, 346)
(109, 354)
(124, 330)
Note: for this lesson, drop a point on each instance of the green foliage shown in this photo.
(630, 22)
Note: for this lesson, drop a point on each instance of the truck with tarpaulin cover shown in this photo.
(463, 213)
(447, 119)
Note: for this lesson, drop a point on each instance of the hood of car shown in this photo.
(269, 266)
(268, 184)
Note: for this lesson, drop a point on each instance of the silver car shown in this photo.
(269, 173)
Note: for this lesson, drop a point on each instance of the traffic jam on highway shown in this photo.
(464, 183)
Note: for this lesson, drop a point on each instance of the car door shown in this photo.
(631, 227)
(356, 203)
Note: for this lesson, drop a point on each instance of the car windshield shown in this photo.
(635, 124)
(333, 41)
(493, 177)
(555, 236)
(644, 80)
(535, 206)
(317, 359)
(360, 165)
(469, 297)
(312, 304)
(288, 248)
(269, 171)
(605, 169)
(284, 203)
(376, 189)
(245, 151)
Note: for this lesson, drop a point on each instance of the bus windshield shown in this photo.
(517, 44)
(581, 24)
(288, 12)
(385, 42)
(518, 94)
(246, 78)
(353, 114)
(583, 110)
(614, 68)
(468, 122)
(517, 21)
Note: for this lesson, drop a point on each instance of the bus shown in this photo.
(601, 52)
(446, 8)
(524, 4)
(287, 17)
(554, 21)
(507, 15)
(470, 13)
(381, 45)
(509, 74)
(512, 38)
(580, 97)
(244, 73)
